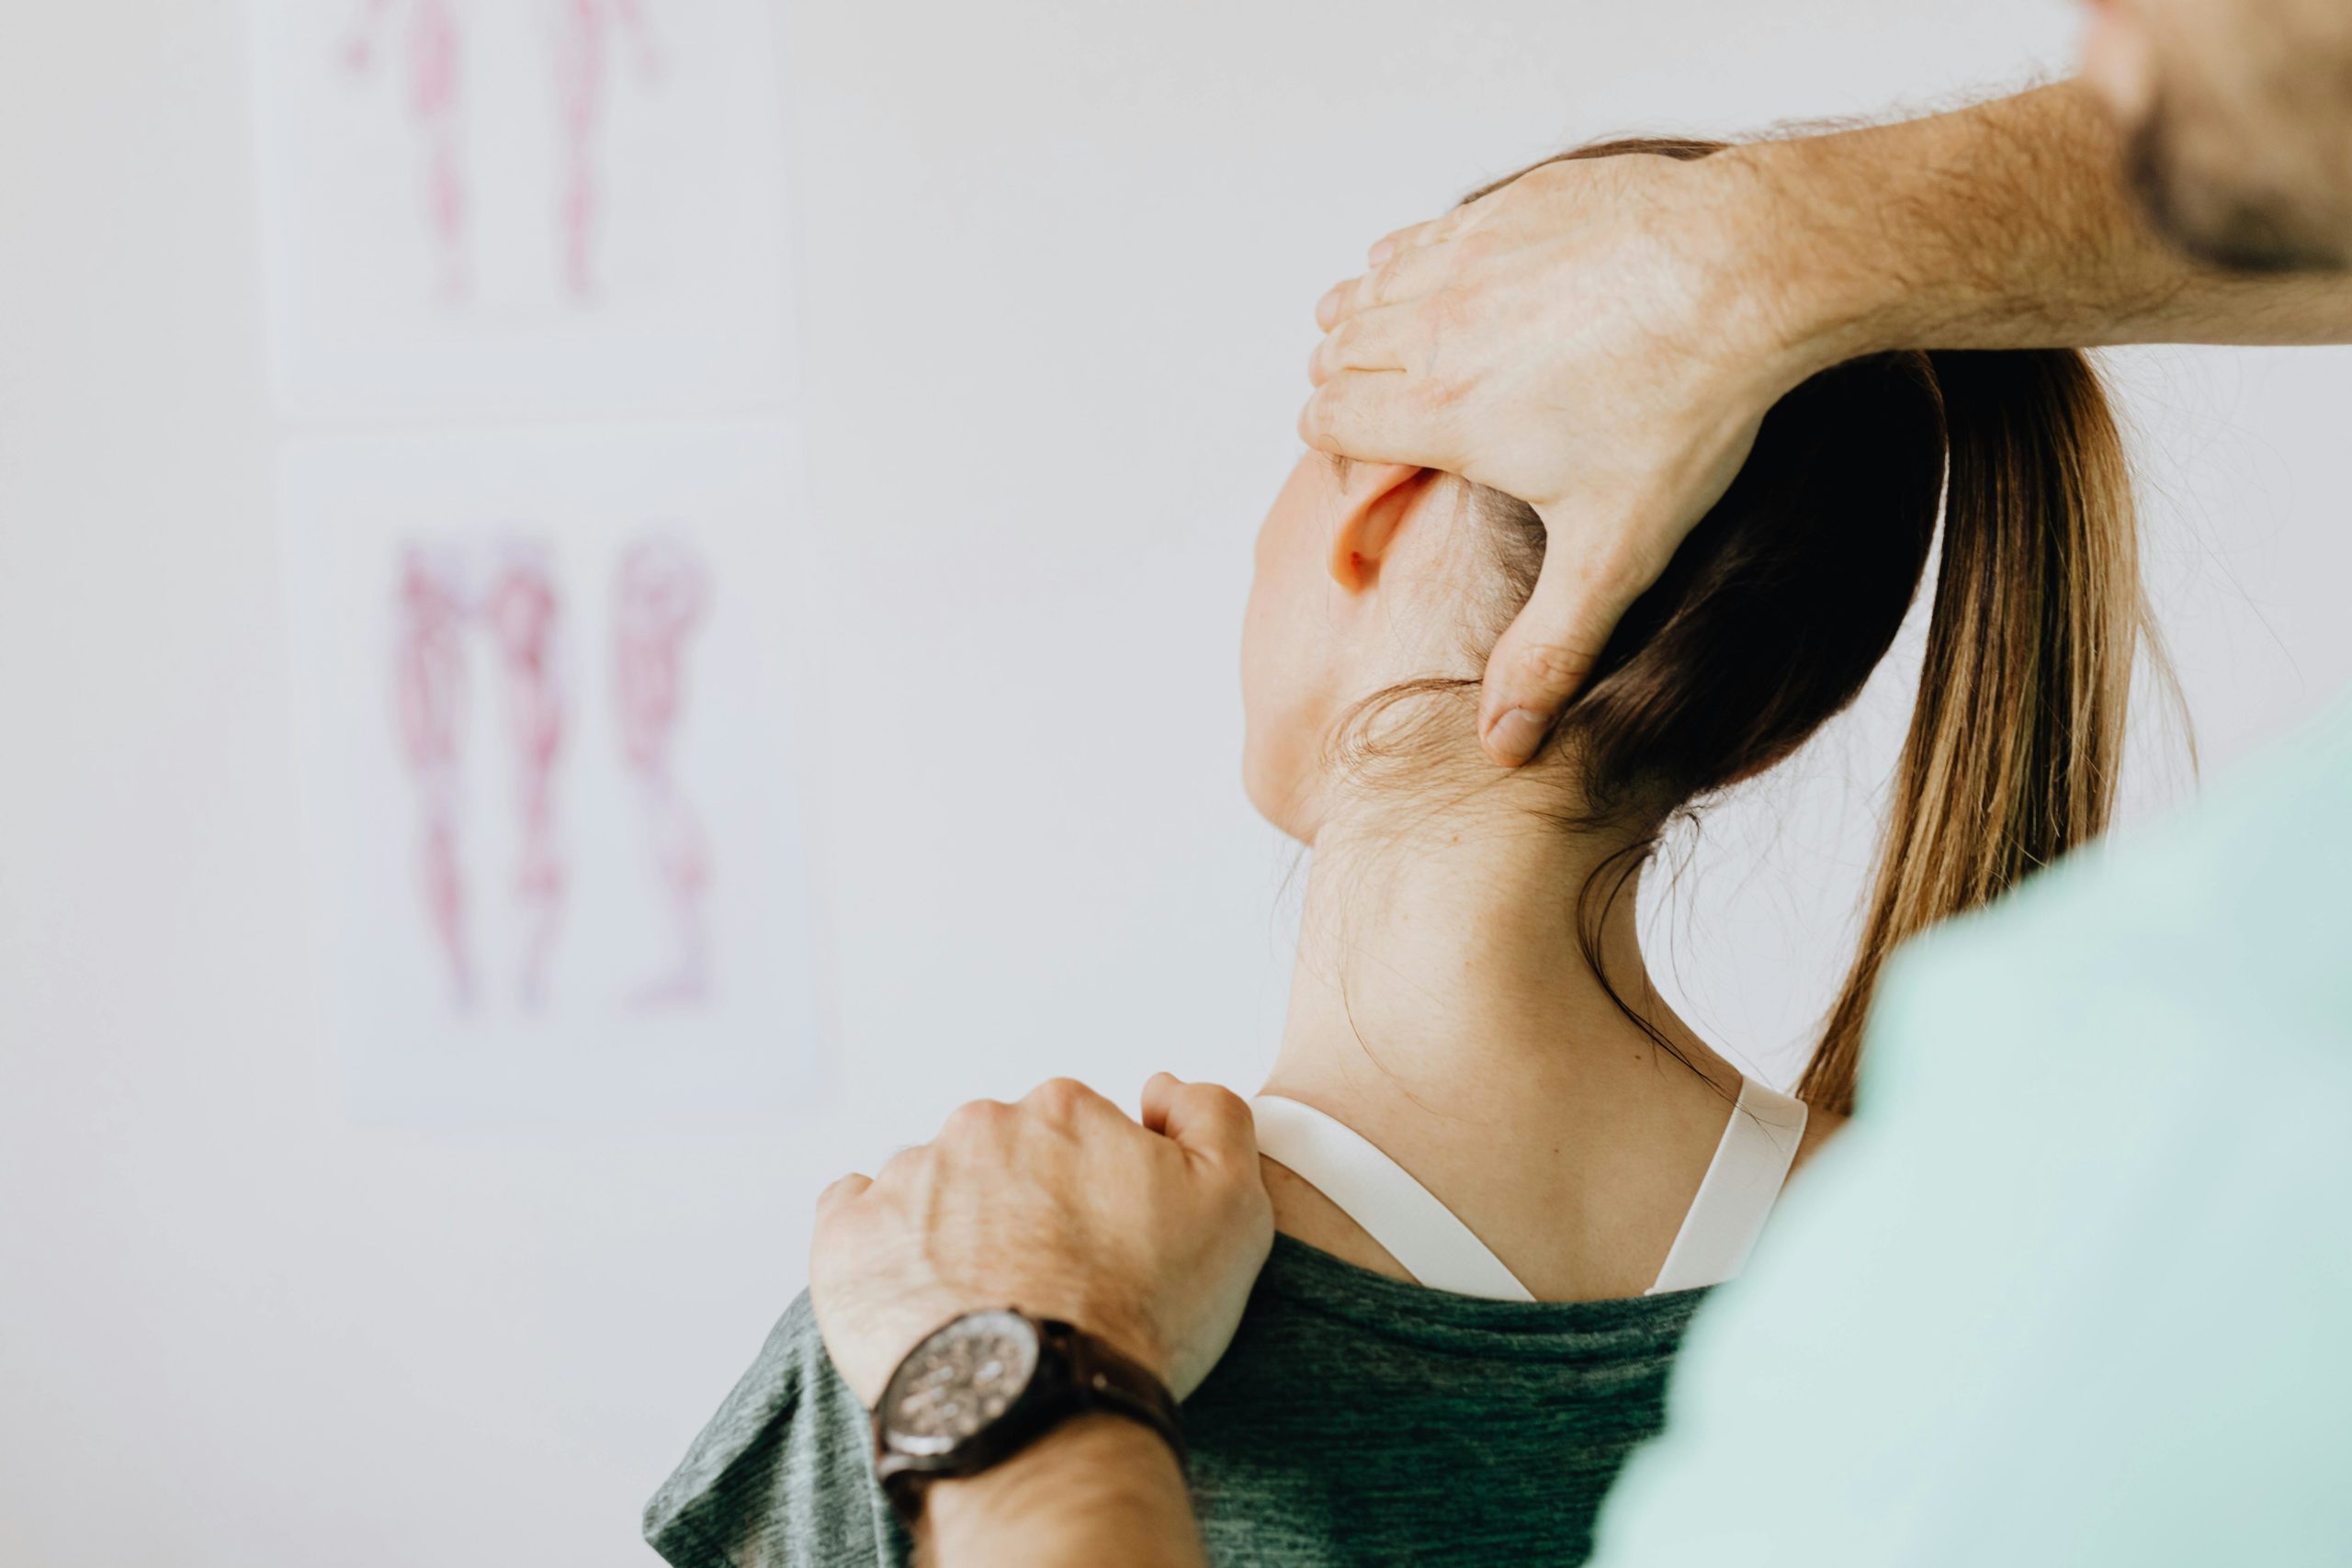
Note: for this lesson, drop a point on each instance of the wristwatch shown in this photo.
(986, 1385)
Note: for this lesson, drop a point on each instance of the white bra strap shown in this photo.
(1421, 1233)
(1742, 1184)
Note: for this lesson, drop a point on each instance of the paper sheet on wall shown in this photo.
(548, 709)
(536, 207)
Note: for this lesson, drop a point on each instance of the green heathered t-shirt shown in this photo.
(1357, 1419)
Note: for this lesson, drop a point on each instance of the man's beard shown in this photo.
(2245, 228)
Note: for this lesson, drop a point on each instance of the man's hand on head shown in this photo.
(1596, 338)
(1148, 1234)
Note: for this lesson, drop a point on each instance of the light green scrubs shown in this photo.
(2075, 1287)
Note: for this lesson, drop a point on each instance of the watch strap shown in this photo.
(1107, 1379)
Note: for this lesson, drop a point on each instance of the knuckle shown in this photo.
(1061, 1099)
(903, 1169)
(1220, 1101)
(1550, 666)
(974, 1118)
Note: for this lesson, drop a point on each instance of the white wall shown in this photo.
(1057, 264)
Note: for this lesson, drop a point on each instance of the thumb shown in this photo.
(1548, 653)
(1207, 1119)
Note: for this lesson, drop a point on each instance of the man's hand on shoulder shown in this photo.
(1147, 1235)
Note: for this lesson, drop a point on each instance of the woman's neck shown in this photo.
(1444, 964)
(1444, 1006)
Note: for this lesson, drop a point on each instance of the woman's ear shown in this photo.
(1374, 500)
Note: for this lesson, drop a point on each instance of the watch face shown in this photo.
(958, 1380)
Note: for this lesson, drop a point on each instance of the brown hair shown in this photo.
(1776, 608)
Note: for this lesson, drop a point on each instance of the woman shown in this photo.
(1504, 1172)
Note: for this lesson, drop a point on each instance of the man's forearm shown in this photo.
(1101, 1489)
(2003, 225)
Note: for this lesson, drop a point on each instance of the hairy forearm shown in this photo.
(1101, 1489)
(2003, 225)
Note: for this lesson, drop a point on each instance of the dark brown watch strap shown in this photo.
(1110, 1379)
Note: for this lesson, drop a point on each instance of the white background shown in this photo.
(1056, 264)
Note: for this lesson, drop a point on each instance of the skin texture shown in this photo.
(1479, 345)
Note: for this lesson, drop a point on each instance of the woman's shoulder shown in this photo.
(779, 1476)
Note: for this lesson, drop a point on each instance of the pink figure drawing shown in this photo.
(434, 104)
(660, 596)
(523, 613)
(583, 49)
(429, 673)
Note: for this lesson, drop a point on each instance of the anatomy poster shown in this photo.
(521, 207)
(551, 727)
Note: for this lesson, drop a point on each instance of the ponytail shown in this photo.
(2015, 744)
(1781, 601)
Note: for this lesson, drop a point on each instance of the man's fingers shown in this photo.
(1357, 294)
(1442, 227)
(1206, 1118)
(1409, 274)
(1366, 415)
(1326, 309)
(1548, 653)
(1374, 340)
(1395, 240)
